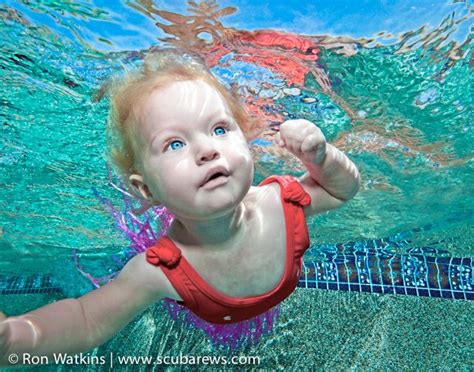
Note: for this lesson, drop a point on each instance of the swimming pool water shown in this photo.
(400, 107)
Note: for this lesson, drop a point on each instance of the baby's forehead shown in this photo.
(191, 98)
(186, 89)
(188, 94)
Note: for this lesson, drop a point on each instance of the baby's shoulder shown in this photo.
(145, 276)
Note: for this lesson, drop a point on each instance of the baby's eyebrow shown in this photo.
(159, 133)
(217, 115)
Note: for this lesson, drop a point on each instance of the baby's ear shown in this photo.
(137, 182)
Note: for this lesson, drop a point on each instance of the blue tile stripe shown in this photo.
(412, 275)
(344, 267)
(32, 284)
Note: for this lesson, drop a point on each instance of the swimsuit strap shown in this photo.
(291, 189)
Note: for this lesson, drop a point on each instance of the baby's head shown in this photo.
(177, 126)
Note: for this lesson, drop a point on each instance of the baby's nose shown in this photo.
(209, 155)
(207, 152)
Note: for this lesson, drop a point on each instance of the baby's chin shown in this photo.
(209, 207)
(208, 214)
(214, 209)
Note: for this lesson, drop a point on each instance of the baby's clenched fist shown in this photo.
(303, 139)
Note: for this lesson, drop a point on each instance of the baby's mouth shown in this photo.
(215, 180)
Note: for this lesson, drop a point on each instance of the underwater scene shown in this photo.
(387, 282)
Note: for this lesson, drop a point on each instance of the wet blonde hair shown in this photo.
(129, 92)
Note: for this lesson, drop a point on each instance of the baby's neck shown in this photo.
(213, 233)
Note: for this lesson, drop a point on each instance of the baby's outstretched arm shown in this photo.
(79, 325)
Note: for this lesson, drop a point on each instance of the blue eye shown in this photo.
(219, 131)
(175, 145)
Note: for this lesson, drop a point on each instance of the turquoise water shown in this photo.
(401, 108)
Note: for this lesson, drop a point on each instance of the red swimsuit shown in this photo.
(216, 307)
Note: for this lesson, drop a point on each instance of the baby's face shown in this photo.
(187, 136)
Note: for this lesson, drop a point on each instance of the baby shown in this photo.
(233, 250)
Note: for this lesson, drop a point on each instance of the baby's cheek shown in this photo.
(246, 164)
(244, 155)
(165, 177)
(177, 176)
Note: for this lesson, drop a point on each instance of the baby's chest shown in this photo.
(257, 265)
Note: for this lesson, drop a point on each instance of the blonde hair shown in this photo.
(129, 92)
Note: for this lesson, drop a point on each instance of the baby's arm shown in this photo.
(79, 325)
(332, 178)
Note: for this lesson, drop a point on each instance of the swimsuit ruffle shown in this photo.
(163, 253)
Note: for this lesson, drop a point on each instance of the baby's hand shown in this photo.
(303, 139)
